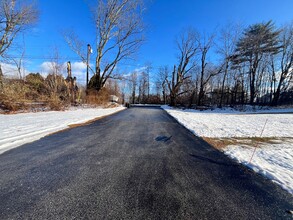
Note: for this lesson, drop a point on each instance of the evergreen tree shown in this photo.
(257, 40)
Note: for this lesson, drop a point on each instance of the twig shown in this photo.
(258, 143)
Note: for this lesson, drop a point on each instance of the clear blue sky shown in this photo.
(164, 18)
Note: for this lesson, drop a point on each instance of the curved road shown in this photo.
(137, 164)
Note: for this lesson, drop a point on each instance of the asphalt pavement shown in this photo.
(137, 164)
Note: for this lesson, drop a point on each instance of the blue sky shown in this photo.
(164, 19)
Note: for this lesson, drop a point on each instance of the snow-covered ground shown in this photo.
(18, 129)
(273, 160)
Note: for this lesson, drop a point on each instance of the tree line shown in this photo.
(235, 66)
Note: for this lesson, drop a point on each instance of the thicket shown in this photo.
(34, 92)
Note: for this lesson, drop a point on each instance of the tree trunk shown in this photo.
(278, 92)
(223, 84)
(173, 99)
(192, 96)
(252, 89)
(133, 97)
(200, 96)
(277, 95)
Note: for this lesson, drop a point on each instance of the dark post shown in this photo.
(89, 49)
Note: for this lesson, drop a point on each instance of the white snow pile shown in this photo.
(18, 129)
(273, 160)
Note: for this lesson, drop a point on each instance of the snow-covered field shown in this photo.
(273, 160)
(18, 129)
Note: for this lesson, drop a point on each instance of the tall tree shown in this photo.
(285, 63)
(207, 70)
(187, 44)
(133, 85)
(143, 87)
(162, 75)
(257, 40)
(228, 38)
(148, 72)
(119, 29)
(15, 17)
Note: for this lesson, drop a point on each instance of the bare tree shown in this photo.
(187, 44)
(55, 79)
(162, 83)
(285, 63)
(15, 17)
(228, 38)
(119, 29)
(148, 72)
(207, 70)
(143, 87)
(133, 85)
(19, 62)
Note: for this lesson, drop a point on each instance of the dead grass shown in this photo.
(97, 98)
(21, 95)
(221, 143)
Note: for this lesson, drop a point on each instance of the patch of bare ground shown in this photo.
(221, 143)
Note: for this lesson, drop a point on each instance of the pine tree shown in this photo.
(257, 40)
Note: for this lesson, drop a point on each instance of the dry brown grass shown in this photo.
(13, 95)
(36, 93)
(98, 98)
(220, 143)
(33, 93)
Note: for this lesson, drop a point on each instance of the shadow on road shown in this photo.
(163, 138)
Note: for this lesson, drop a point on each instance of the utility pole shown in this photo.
(89, 51)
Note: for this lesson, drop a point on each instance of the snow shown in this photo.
(273, 160)
(19, 129)
(228, 123)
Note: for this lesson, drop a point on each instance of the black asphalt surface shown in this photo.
(137, 164)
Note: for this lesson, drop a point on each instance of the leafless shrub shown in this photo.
(98, 97)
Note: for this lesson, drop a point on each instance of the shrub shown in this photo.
(36, 83)
(98, 98)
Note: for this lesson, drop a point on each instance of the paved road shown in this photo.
(137, 164)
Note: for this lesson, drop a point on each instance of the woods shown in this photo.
(234, 65)
(252, 65)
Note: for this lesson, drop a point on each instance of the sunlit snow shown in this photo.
(18, 129)
(273, 160)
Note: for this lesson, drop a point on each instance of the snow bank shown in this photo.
(275, 161)
(230, 123)
(18, 129)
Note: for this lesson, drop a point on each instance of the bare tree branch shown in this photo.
(15, 16)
